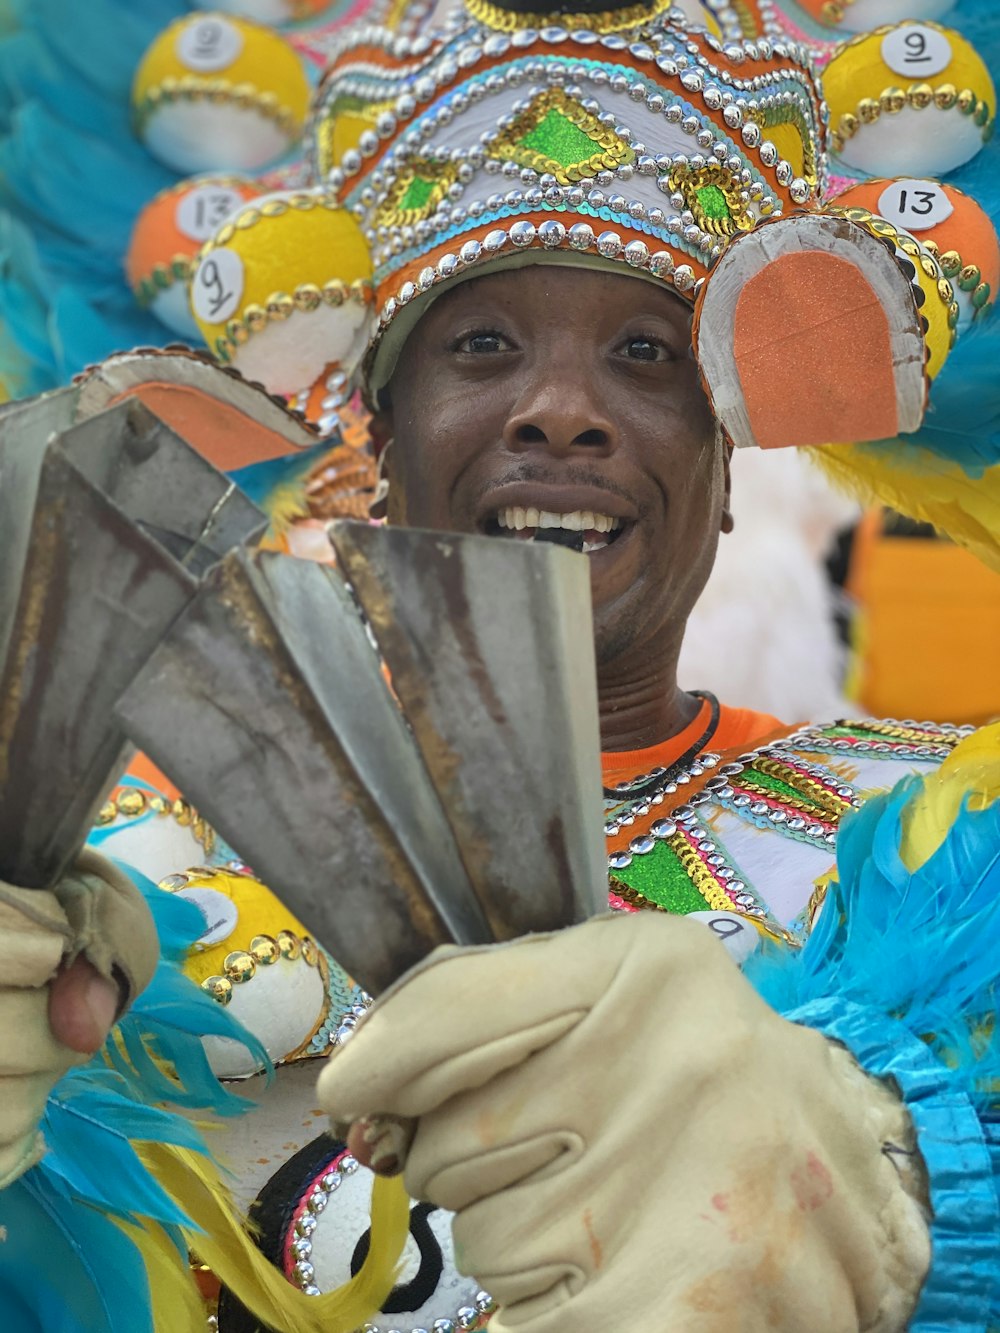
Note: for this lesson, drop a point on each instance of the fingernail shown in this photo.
(100, 999)
(390, 1144)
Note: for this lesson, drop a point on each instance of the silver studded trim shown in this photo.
(303, 1274)
(548, 235)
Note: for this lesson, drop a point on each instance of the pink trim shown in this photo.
(288, 1258)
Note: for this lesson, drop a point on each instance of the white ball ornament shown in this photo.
(215, 93)
(863, 15)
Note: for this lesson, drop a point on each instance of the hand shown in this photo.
(626, 1132)
(70, 961)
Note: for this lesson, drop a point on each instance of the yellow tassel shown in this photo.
(923, 486)
(220, 1240)
(970, 775)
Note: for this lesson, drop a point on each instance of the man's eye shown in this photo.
(646, 349)
(481, 344)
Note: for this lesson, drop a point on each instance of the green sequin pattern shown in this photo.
(417, 193)
(712, 203)
(558, 138)
(661, 878)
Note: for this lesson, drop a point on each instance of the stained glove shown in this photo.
(95, 912)
(627, 1132)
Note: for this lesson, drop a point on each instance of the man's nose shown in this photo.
(559, 411)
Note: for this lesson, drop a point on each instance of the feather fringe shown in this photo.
(910, 927)
(922, 485)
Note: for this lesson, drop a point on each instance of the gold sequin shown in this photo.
(265, 950)
(220, 988)
(611, 20)
(239, 965)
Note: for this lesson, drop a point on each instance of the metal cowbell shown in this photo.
(489, 647)
(368, 791)
(107, 525)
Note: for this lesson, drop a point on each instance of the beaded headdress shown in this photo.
(631, 139)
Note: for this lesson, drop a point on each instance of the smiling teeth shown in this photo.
(580, 520)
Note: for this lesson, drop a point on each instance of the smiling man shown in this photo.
(562, 403)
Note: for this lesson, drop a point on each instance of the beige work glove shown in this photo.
(630, 1137)
(96, 912)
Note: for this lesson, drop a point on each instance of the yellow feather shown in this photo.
(970, 775)
(174, 1298)
(923, 486)
(220, 1239)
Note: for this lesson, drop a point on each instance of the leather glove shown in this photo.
(625, 1130)
(96, 912)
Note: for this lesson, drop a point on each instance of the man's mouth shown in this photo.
(581, 530)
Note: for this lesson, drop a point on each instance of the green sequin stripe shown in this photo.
(781, 788)
(417, 193)
(660, 878)
(713, 202)
(917, 736)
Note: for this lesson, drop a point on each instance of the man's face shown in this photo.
(550, 395)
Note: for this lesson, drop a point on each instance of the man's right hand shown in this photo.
(70, 962)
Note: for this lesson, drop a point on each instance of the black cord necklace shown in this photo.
(665, 775)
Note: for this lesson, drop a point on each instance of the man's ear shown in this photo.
(388, 500)
(728, 522)
(380, 428)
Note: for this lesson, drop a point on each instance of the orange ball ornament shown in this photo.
(954, 228)
(166, 239)
(862, 15)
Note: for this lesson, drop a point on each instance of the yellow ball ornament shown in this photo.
(284, 288)
(166, 239)
(215, 93)
(255, 958)
(910, 100)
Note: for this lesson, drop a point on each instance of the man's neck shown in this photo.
(638, 714)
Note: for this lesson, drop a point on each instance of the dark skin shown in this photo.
(572, 389)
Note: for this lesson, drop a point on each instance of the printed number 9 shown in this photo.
(725, 927)
(207, 36)
(211, 280)
(916, 48)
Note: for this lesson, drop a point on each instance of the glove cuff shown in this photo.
(961, 1159)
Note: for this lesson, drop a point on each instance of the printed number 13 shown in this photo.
(926, 204)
